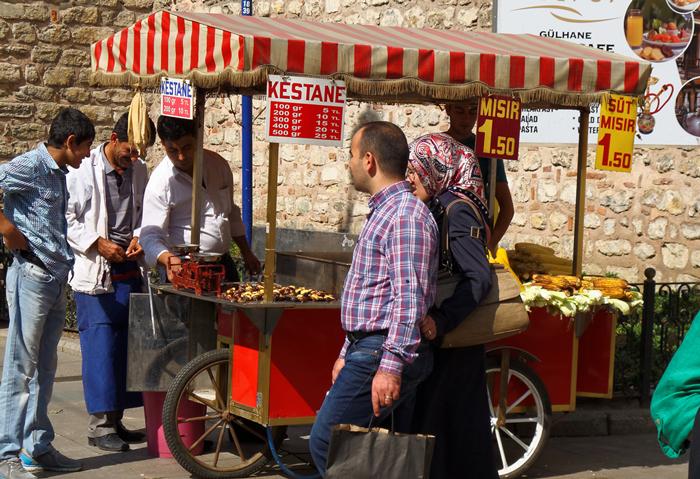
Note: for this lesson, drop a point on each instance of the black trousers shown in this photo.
(694, 455)
(452, 404)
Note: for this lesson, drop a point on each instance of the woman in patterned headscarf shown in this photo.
(452, 402)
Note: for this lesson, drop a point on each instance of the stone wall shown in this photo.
(650, 217)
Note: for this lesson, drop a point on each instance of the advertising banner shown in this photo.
(662, 32)
(303, 110)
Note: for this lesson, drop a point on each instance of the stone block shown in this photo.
(33, 92)
(618, 201)
(675, 255)
(10, 73)
(89, 35)
(691, 231)
(467, 17)
(531, 162)
(12, 11)
(538, 221)
(591, 221)
(59, 76)
(16, 50)
(80, 15)
(16, 110)
(48, 111)
(630, 274)
(614, 247)
(294, 7)
(33, 73)
(28, 131)
(139, 4)
(45, 54)
(557, 220)
(657, 228)
(547, 191)
(695, 259)
(36, 12)
(125, 18)
(107, 3)
(644, 251)
(5, 30)
(672, 202)
(24, 33)
(75, 58)
(609, 226)
(76, 95)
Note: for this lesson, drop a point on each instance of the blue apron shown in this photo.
(103, 322)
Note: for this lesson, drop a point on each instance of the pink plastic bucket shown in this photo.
(189, 432)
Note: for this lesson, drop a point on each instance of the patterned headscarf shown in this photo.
(442, 163)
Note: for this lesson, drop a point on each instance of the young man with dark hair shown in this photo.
(167, 214)
(104, 215)
(34, 229)
(390, 285)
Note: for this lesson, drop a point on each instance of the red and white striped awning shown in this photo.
(390, 64)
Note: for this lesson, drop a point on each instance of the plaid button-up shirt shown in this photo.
(35, 202)
(391, 282)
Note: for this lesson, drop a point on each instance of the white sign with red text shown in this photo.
(176, 98)
(303, 110)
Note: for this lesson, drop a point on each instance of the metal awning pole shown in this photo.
(271, 227)
(580, 190)
(247, 150)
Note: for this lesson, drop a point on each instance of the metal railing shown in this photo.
(647, 343)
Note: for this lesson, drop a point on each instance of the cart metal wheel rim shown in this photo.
(238, 459)
(536, 415)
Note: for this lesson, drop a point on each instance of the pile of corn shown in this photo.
(614, 288)
(529, 258)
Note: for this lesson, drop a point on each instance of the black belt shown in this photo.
(30, 257)
(355, 336)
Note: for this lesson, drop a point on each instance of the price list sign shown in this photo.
(498, 127)
(306, 111)
(176, 98)
(618, 124)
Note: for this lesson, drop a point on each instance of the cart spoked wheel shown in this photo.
(223, 444)
(520, 418)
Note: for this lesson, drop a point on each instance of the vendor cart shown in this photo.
(274, 366)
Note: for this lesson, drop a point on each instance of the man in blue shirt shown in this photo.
(34, 228)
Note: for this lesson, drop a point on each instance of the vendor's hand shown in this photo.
(428, 328)
(14, 239)
(386, 389)
(339, 363)
(111, 251)
(252, 265)
(134, 250)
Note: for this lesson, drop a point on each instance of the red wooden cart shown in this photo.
(275, 366)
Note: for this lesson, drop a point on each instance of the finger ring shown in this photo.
(387, 397)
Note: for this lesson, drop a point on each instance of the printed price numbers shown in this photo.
(618, 115)
(500, 145)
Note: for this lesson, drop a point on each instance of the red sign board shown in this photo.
(176, 98)
(305, 110)
(498, 127)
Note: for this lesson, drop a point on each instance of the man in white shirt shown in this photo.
(104, 213)
(167, 213)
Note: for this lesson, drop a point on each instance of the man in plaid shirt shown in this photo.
(388, 290)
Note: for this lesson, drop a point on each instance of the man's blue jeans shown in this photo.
(37, 307)
(349, 400)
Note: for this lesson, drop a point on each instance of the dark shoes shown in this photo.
(110, 442)
(130, 436)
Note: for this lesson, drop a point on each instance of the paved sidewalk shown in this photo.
(614, 456)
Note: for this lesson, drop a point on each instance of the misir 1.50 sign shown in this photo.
(498, 127)
(618, 120)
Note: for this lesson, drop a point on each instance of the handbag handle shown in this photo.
(445, 255)
(371, 419)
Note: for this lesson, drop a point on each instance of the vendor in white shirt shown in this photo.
(167, 209)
